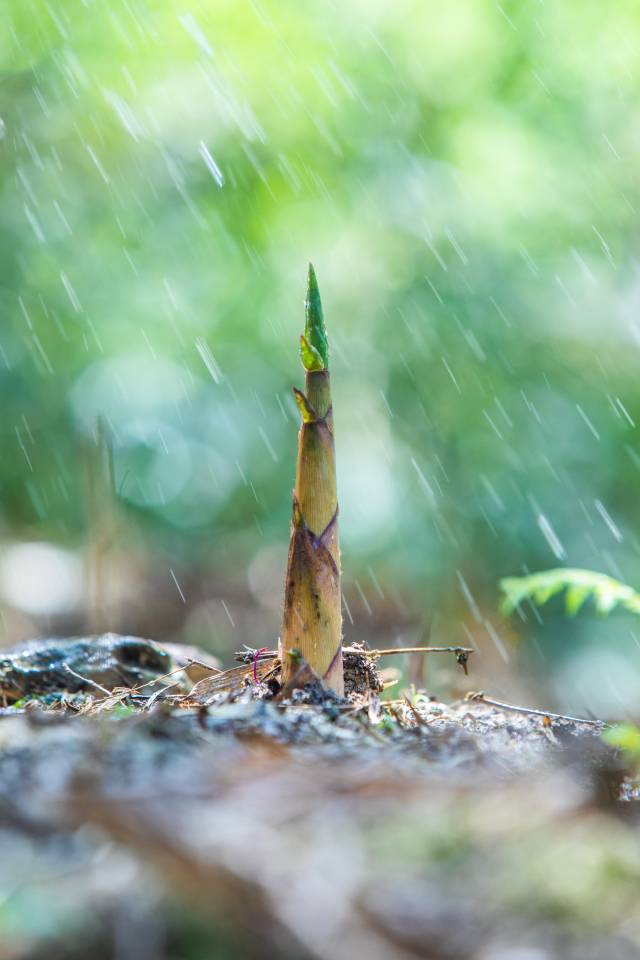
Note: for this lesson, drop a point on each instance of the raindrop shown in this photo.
(268, 444)
(346, 606)
(451, 374)
(363, 597)
(209, 360)
(587, 421)
(94, 156)
(608, 519)
(228, 612)
(424, 483)
(498, 641)
(466, 592)
(179, 588)
(73, 296)
(191, 25)
(551, 537)
(212, 166)
(34, 224)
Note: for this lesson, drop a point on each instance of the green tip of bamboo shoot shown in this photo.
(314, 330)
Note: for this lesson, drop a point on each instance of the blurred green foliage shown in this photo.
(580, 586)
(464, 177)
(626, 738)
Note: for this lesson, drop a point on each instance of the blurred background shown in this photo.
(464, 178)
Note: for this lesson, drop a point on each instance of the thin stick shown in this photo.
(416, 716)
(160, 695)
(165, 676)
(480, 697)
(394, 650)
(91, 683)
(150, 683)
(138, 686)
(248, 656)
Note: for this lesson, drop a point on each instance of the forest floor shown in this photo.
(227, 820)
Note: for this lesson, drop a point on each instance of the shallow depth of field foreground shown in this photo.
(319, 526)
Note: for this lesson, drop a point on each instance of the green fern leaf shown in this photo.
(580, 585)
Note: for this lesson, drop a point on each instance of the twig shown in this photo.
(396, 715)
(131, 691)
(91, 683)
(416, 716)
(480, 697)
(461, 653)
(394, 650)
(164, 676)
(249, 655)
(160, 695)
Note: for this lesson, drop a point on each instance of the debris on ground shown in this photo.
(218, 819)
